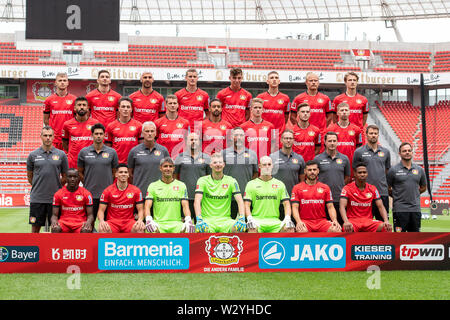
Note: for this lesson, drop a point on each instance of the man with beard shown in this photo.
(406, 181)
(214, 129)
(76, 132)
(148, 104)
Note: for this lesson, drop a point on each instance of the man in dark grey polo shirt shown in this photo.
(406, 181)
(378, 162)
(46, 172)
(240, 162)
(97, 165)
(191, 165)
(143, 160)
(288, 166)
(334, 168)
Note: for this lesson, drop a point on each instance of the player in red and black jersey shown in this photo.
(72, 207)
(121, 199)
(307, 137)
(355, 205)
(214, 129)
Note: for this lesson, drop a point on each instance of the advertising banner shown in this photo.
(216, 253)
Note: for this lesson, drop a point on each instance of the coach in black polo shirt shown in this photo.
(378, 162)
(97, 165)
(406, 181)
(334, 168)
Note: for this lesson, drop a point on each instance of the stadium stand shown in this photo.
(403, 61)
(442, 61)
(10, 55)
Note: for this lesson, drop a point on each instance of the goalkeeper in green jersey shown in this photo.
(167, 196)
(262, 199)
(212, 203)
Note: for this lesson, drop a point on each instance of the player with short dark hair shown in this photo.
(355, 205)
(72, 207)
(168, 196)
(307, 137)
(311, 200)
(121, 199)
(46, 172)
(214, 129)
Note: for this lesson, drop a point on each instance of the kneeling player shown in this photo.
(309, 199)
(72, 207)
(212, 203)
(262, 202)
(355, 205)
(120, 199)
(167, 196)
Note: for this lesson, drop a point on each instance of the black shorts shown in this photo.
(39, 212)
(376, 214)
(407, 221)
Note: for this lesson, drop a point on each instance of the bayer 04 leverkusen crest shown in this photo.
(224, 250)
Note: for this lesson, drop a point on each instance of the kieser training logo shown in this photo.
(224, 250)
(302, 253)
(143, 254)
(19, 254)
(373, 252)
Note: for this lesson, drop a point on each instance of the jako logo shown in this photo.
(424, 252)
(302, 253)
(143, 254)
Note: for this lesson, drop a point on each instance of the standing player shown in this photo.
(191, 165)
(349, 135)
(276, 103)
(58, 108)
(172, 129)
(167, 196)
(378, 161)
(97, 165)
(321, 108)
(213, 201)
(148, 104)
(124, 133)
(359, 105)
(144, 159)
(260, 135)
(76, 132)
(356, 205)
(46, 172)
(311, 200)
(121, 199)
(235, 100)
(103, 101)
(72, 207)
(334, 168)
(214, 129)
(406, 181)
(288, 166)
(262, 200)
(307, 137)
(193, 101)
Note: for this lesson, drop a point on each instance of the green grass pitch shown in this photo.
(391, 285)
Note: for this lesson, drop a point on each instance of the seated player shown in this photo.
(167, 196)
(355, 205)
(121, 198)
(309, 199)
(212, 203)
(262, 202)
(72, 207)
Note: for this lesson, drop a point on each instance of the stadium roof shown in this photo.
(260, 11)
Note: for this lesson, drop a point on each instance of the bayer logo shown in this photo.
(273, 253)
(224, 250)
(4, 254)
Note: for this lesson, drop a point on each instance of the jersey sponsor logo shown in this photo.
(373, 252)
(143, 253)
(313, 201)
(144, 110)
(302, 253)
(96, 108)
(74, 209)
(72, 138)
(224, 250)
(124, 139)
(360, 204)
(62, 111)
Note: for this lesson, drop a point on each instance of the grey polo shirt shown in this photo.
(333, 171)
(287, 168)
(240, 166)
(405, 185)
(377, 163)
(47, 168)
(190, 170)
(97, 168)
(145, 163)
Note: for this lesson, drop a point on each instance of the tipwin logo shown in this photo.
(416, 252)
